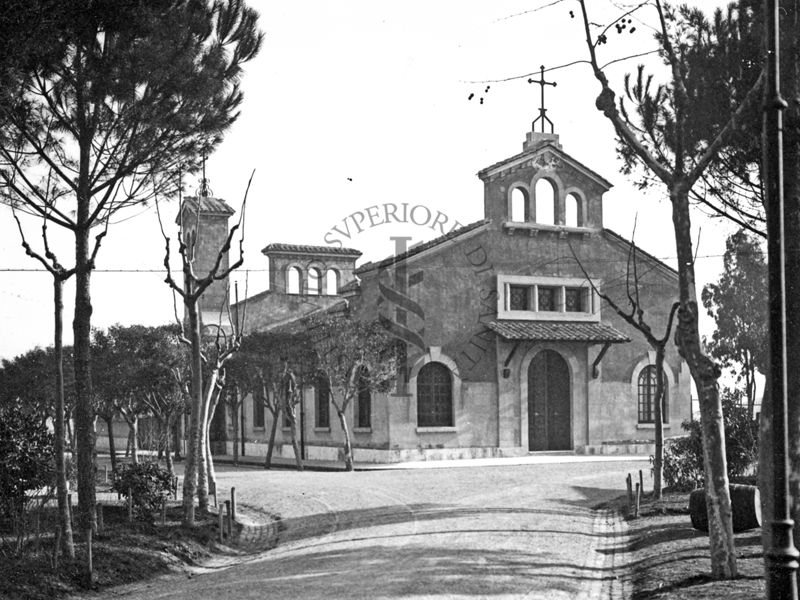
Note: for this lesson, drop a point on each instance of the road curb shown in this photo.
(613, 582)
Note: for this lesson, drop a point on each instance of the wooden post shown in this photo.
(100, 521)
(105, 473)
(641, 481)
(220, 525)
(228, 512)
(630, 492)
(130, 506)
(175, 487)
(69, 505)
(233, 503)
(638, 498)
(163, 511)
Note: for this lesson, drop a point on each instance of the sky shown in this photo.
(355, 103)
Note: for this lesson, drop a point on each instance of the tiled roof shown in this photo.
(303, 249)
(351, 286)
(209, 205)
(422, 247)
(557, 331)
(618, 238)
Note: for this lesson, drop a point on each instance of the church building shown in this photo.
(510, 348)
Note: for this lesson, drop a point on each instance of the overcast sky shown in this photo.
(357, 103)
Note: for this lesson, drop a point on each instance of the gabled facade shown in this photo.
(509, 348)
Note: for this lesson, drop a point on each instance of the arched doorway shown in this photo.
(549, 403)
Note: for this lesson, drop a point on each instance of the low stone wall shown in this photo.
(376, 456)
(623, 447)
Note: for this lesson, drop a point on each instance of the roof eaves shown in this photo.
(424, 247)
(620, 239)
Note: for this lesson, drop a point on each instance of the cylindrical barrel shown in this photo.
(745, 504)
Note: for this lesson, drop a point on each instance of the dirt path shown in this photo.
(492, 532)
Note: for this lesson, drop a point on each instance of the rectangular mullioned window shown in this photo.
(546, 298)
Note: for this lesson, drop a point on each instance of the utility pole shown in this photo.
(781, 557)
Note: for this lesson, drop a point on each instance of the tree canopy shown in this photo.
(737, 303)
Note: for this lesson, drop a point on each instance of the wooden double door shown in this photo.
(549, 403)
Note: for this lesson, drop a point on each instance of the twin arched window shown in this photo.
(434, 396)
(546, 201)
(647, 395)
(315, 285)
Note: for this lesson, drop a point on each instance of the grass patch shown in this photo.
(124, 553)
(669, 560)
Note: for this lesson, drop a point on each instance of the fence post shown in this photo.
(164, 511)
(233, 503)
(130, 506)
(629, 484)
(641, 481)
(220, 525)
(638, 497)
(228, 511)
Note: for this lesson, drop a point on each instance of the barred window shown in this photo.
(258, 411)
(574, 299)
(647, 394)
(363, 400)
(434, 396)
(322, 398)
(547, 298)
(519, 297)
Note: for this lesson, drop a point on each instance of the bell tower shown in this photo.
(204, 226)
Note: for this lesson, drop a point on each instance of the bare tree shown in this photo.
(635, 316)
(225, 345)
(670, 145)
(60, 274)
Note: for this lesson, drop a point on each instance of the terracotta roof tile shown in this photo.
(422, 247)
(304, 249)
(558, 331)
(209, 205)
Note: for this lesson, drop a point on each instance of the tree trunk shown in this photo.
(271, 444)
(176, 435)
(191, 466)
(82, 329)
(68, 547)
(71, 437)
(348, 449)
(202, 449)
(235, 419)
(705, 374)
(658, 418)
(112, 448)
(211, 472)
(168, 445)
(133, 424)
(298, 459)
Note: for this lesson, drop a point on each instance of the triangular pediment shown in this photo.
(547, 156)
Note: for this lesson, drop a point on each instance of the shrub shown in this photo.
(683, 457)
(26, 458)
(26, 465)
(148, 484)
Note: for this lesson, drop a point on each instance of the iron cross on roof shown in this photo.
(542, 110)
